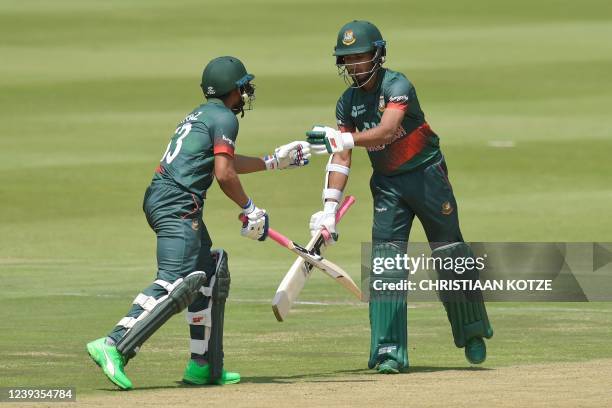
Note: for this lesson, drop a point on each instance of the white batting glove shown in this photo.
(256, 222)
(289, 156)
(325, 219)
(324, 139)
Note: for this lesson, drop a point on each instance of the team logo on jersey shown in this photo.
(447, 208)
(210, 90)
(381, 103)
(348, 38)
(195, 225)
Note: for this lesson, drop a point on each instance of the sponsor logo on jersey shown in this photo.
(399, 99)
(228, 141)
(381, 103)
(447, 208)
(380, 209)
(357, 110)
(348, 38)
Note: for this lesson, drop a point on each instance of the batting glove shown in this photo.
(325, 219)
(256, 222)
(289, 156)
(324, 139)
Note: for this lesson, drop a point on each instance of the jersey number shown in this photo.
(183, 131)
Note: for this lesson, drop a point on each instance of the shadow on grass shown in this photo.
(329, 376)
(326, 377)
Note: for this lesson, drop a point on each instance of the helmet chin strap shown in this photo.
(239, 109)
(351, 79)
(246, 99)
(372, 73)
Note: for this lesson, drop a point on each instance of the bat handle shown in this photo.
(344, 207)
(346, 204)
(280, 238)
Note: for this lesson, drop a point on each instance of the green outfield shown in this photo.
(90, 92)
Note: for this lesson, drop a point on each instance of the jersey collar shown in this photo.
(216, 101)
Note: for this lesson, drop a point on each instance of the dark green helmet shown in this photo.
(358, 37)
(222, 75)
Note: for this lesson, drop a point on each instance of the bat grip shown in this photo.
(346, 204)
(344, 207)
(280, 238)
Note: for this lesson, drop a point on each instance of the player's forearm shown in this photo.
(247, 164)
(336, 179)
(374, 137)
(384, 133)
(230, 185)
(227, 177)
(337, 176)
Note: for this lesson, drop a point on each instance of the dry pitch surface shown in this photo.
(585, 384)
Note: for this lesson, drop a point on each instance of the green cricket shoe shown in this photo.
(476, 350)
(111, 362)
(388, 367)
(196, 374)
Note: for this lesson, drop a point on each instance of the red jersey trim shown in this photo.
(223, 149)
(400, 106)
(408, 147)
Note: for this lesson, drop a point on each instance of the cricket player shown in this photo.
(380, 111)
(191, 275)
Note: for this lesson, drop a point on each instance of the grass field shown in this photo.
(91, 91)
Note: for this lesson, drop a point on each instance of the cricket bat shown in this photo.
(295, 279)
(331, 269)
(312, 258)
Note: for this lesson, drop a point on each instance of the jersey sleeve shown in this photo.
(399, 93)
(224, 134)
(343, 117)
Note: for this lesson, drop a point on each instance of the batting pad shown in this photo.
(388, 310)
(465, 310)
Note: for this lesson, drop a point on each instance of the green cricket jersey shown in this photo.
(414, 144)
(188, 162)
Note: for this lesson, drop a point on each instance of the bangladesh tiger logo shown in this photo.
(447, 208)
(349, 37)
(381, 104)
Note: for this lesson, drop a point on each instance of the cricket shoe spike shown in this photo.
(476, 350)
(110, 361)
(196, 374)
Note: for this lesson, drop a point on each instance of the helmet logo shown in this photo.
(348, 38)
(210, 90)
